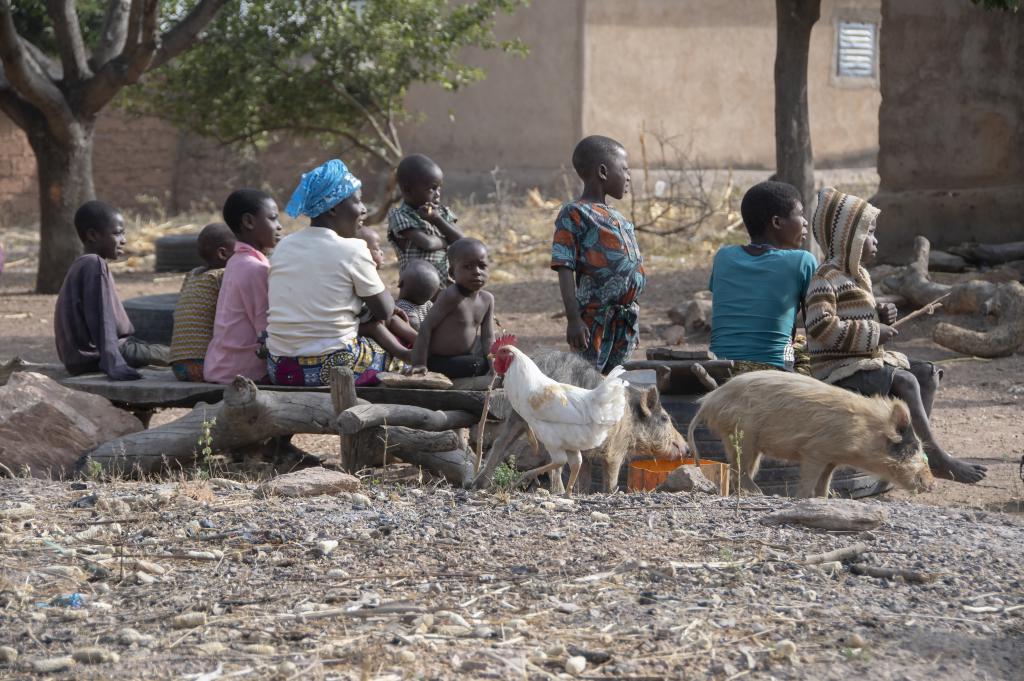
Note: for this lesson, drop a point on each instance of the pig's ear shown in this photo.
(900, 416)
(649, 401)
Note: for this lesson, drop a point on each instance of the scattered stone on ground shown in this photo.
(688, 478)
(443, 583)
(45, 427)
(837, 515)
(309, 482)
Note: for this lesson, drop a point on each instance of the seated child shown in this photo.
(847, 330)
(197, 304)
(417, 286)
(457, 332)
(420, 228)
(92, 329)
(595, 252)
(241, 317)
(757, 288)
(396, 336)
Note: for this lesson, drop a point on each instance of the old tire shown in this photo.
(778, 478)
(177, 253)
(152, 316)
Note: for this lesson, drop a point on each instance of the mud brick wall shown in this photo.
(951, 125)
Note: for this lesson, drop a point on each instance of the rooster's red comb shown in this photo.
(502, 341)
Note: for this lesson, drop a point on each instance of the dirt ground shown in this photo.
(204, 579)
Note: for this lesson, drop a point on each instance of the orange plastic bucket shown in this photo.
(647, 474)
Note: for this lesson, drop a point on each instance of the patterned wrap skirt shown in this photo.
(359, 354)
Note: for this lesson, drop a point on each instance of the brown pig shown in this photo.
(645, 430)
(797, 418)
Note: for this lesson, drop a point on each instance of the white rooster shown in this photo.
(566, 419)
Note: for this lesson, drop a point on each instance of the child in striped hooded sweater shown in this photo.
(847, 330)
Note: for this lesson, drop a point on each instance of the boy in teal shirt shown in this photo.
(758, 287)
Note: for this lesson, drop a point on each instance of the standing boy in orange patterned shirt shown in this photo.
(595, 252)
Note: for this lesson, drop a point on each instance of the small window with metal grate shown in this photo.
(856, 49)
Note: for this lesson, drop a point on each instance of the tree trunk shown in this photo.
(794, 160)
(65, 183)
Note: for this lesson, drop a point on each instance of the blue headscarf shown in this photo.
(323, 188)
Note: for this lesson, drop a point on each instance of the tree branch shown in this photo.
(29, 80)
(176, 40)
(69, 39)
(113, 34)
(134, 60)
(14, 106)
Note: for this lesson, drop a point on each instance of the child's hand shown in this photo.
(886, 333)
(887, 313)
(400, 313)
(577, 335)
(427, 211)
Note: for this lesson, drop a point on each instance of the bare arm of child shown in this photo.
(379, 332)
(431, 214)
(445, 305)
(400, 327)
(576, 334)
(424, 241)
(381, 306)
(487, 325)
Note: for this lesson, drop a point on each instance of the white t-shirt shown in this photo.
(317, 279)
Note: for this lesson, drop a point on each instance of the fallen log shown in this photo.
(246, 416)
(941, 261)
(676, 377)
(445, 453)
(914, 284)
(912, 281)
(1001, 341)
(365, 416)
(990, 254)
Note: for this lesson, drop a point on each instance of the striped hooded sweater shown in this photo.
(842, 322)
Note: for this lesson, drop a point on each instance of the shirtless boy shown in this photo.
(462, 315)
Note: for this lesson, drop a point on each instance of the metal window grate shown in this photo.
(857, 47)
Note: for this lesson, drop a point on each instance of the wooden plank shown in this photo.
(679, 378)
(675, 353)
(159, 389)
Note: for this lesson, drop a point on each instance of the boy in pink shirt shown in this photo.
(242, 302)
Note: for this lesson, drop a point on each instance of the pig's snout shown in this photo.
(679, 450)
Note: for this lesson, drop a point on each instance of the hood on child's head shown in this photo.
(841, 224)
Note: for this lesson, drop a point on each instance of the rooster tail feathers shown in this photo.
(609, 397)
(616, 372)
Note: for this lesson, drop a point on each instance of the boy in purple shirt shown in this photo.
(91, 328)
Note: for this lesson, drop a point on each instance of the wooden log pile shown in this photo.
(374, 434)
(1004, 301)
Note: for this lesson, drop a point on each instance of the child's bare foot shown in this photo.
(945, 466)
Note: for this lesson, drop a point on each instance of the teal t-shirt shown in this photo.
(755, 301)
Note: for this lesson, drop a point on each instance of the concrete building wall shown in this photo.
(524, 117)
(951, 129)
(695, 69)
(704, 72)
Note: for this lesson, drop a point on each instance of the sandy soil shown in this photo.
(207, 580)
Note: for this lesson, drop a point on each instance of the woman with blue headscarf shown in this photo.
(320, 279)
